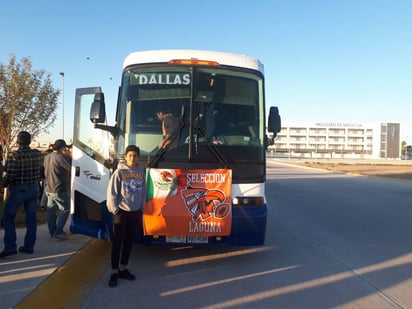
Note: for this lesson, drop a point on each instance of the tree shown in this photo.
(28, 101)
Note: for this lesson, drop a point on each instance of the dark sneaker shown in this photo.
(62, 236)
(125, 274)
(25, 250)
(5, 253)
(113, 280)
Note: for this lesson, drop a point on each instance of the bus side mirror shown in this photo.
(98, 109)
(274, 123)
(274, 126)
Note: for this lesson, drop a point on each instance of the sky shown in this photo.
(346, 61)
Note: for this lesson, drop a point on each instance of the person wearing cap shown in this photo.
(57, 170)
(23, 174)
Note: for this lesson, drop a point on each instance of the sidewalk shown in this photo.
(22, 273)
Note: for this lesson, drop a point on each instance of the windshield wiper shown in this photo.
(214, 150)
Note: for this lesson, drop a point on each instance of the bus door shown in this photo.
(90, 174)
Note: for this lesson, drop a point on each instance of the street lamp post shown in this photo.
(62, 75)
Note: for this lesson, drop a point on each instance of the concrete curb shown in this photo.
(72, 282)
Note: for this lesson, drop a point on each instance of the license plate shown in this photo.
(176, 239)
(197, 239)
(187, 239)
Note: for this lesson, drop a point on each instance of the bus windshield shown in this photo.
(211, 106)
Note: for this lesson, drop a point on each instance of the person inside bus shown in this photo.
(126, 195)
(170, 128)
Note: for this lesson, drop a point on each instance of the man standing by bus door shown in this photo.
(57, 170)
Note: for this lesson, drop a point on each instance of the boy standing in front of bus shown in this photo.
(126, 194)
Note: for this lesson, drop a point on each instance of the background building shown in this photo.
(390, 140)
(338, 140)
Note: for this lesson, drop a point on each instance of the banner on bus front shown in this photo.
(188, 202)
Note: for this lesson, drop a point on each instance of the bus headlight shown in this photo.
(248, 201)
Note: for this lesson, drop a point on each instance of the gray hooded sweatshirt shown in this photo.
(126, 189)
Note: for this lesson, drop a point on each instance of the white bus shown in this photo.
(209, 188)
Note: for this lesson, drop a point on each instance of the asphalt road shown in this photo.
(333, 241)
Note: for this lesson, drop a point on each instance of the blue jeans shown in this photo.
(57, 201)
(26, 195)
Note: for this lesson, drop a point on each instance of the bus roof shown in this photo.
(162, 56)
